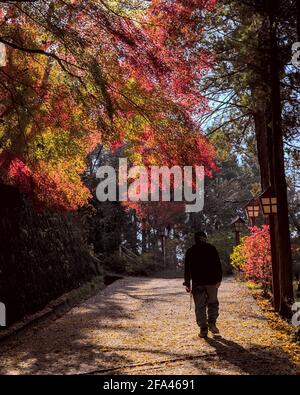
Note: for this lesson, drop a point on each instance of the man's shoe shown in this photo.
(203, 333)
(214, 329)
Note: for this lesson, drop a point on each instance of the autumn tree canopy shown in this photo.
(82, 73)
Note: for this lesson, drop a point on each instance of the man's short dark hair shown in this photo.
(199, 235)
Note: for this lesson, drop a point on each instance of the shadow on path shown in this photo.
(255, 360)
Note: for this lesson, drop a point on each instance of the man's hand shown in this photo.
(187, 287)
(218, 285)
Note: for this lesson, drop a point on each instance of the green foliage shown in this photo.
(105, 226)
(144, 265)
(147, 264)
(253, 286)
(223, 241)
(222, 145)
(237, 258)
(112, 263)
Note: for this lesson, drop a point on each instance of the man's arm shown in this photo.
(187, 270)
(219, 271)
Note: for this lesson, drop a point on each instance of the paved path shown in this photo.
(144, 326)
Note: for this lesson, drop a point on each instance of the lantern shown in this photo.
(268, 202)
(253, 209)
(237, 226)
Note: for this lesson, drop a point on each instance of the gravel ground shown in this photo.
(145, 326)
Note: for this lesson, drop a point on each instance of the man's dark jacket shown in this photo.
(202, 265)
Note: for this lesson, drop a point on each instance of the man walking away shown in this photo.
(203, 268)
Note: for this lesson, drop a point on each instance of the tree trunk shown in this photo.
(264, 150)
(135, 233)
(282, 218)
(144, 238)
(298, 18)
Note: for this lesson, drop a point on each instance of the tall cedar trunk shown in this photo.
(282, 219)
(264, 151)
(262, 120)
(274, 231)
(298, 18)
